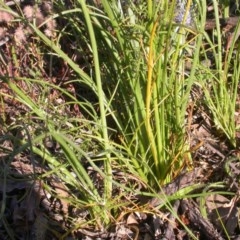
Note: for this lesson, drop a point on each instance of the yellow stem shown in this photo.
(150, 85)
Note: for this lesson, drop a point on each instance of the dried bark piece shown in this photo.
(169, 234)
(222, 212)
(40, 226)
(182, 181)
(196, 219)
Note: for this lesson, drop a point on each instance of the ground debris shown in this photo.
(201, 224)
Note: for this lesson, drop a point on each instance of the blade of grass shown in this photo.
(101, 98)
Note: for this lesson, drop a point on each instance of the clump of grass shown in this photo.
(140, 84)
(221, 85)
(152, 87)
(136, 71)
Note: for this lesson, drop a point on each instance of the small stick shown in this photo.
(211, 23)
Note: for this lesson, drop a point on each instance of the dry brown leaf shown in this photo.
(131, 219)
(62, 193)
(222, 212)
